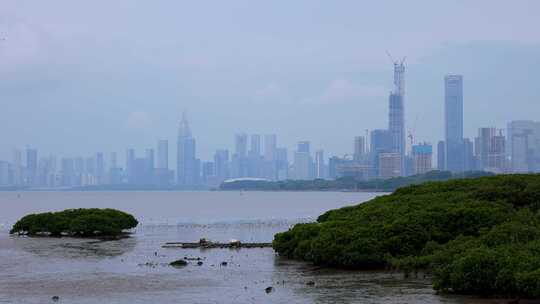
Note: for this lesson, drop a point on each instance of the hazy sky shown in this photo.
(78, 77)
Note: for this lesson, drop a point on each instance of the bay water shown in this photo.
(136, 269)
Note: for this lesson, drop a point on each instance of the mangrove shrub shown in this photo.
(76, 222)
(477, 236)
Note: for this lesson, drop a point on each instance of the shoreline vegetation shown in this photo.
(341, 184)
(348, 183)
(101, 223)
(476, 236)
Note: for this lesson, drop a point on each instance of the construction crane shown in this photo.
(413, 131)
(397, 62)
(390, 56)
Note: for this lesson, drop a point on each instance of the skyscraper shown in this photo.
(254, 161)
(490, 150)
(523, 146)
(17, 167)
(130, 159)
(483, 146)
(396, 115)
(469, 160)
(150, 162)
(78, 164)
(255, 148)
(270, 170)
(320, 167)
(221, 164)
(359, 148)
(113, 161)
(187, 163)
(303, 163)
(149, 154)
(46, 175)
(100, 168)
(140, 174)
(31, 166)
(163, 154)
(422, 158)
(497, 156)
(381, 142)
(67, 172)
(241, 145)
(208, 173)
(453, 119)
(303, 146)
(90, 171)
(282, 163)
(270, 142)
(163, 176)
(115, 172)
(441, 159)
(239, 162)
(389, 165)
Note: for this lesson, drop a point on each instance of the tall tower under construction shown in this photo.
(187, 163)
(397, 113)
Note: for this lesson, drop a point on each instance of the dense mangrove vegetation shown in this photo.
(347, 183)
(474, 236)
(76, 222)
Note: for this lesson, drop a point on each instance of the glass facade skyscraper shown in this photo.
(453, 119)
(188, 168)
(396, 114)
(163, 154)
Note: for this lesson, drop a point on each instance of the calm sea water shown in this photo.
(135, 270)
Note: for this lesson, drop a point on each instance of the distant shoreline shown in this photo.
(344, 184)
(124, 188)
(186, 190)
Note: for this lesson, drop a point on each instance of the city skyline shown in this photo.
(328, 71)
(396, 121)
(380, 153)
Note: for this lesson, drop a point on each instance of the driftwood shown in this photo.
(210, 245)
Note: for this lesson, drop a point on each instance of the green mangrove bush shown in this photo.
(76, 222)
(475, 236)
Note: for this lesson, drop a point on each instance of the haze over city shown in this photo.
(104, 76)
(243, 151)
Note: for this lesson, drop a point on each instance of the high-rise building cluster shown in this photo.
(379, 153)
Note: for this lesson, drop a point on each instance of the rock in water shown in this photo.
(178, 263)
(310, 283)
(269, 289)
(55, 298)
(224, 263)
(199, 263)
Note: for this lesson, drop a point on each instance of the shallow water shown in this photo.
(136, 270)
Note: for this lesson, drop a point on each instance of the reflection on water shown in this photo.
(73, 248)
(339, 286)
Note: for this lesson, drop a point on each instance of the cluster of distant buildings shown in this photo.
(514, 150)
(386, 155)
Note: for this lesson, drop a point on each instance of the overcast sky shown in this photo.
(77, 77)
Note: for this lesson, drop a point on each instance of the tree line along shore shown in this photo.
(473, 236)
(348, 183)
